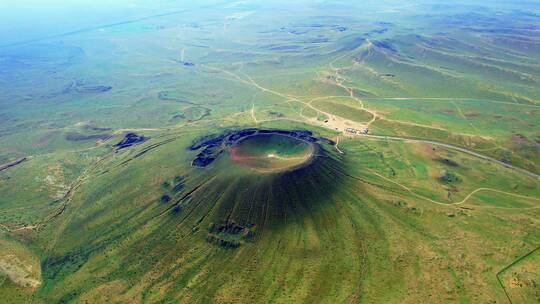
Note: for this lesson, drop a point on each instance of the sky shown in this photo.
(26, 20)
(23, 20)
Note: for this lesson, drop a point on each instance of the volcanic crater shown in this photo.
(260, 179)
(272, 152)
(262, 150)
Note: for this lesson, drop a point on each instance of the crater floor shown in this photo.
(272, 152)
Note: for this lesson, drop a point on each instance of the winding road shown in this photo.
(463, 150)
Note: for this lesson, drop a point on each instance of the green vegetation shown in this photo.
(342, 110)
(520, 280)
(449, 177)
(437, 203)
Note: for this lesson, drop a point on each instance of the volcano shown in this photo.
(251, 180)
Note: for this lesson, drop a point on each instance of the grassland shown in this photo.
(438, 203)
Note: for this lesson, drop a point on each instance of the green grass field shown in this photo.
(437, 203)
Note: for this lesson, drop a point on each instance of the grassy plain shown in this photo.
(446, 218)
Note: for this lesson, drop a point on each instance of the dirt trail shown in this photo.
(462, 201)
(456, 99)
(253, 113)
(463, 150)
(340, 124)
(336, 146)
(498, 191)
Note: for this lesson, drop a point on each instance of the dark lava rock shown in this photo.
(212, 146)
(243, 133)
(208, 141)
(214, 239)
(448, 162)
(223, 234)
(202, 161)
(328, 141)
(176, 209)
(129, 140)
(449, 177)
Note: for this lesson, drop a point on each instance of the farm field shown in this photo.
(270, 152)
